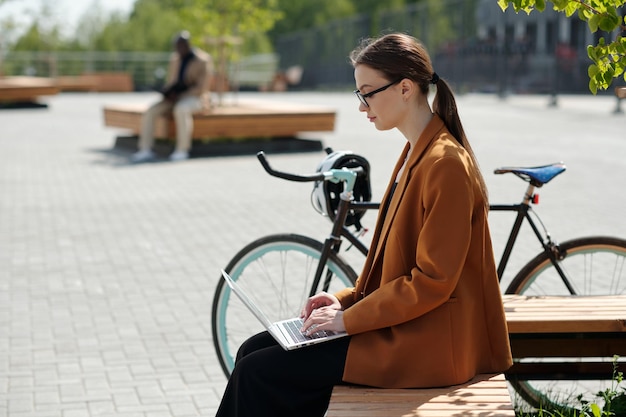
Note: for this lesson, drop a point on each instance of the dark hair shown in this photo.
(182, 36)
(398, 56)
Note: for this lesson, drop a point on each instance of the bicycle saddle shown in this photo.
(537, 176)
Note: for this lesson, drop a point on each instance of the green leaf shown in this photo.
(593, 87)
(594, 23)
(608, 23)
(540, 5)
(560, 4)
(504, 4)
(608, 74)
(571, 8)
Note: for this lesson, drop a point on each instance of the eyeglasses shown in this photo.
(362, 97)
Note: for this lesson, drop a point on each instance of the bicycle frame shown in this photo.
(339, 230)
(333, 241)
(523, 210)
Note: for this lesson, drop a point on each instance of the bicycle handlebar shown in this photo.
(319, 176)
(284, 175)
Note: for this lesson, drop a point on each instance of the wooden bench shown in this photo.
(111, 81)
(247, 119)
(76, 83)
(26, 89)
(547, 329)
(553, 329)
(97, 81)
(485, 395)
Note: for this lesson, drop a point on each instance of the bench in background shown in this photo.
(244, 120)
(97, 81)
(111, 81)
(247, 126)
(485, 395)
(76, 83)
(25, 89)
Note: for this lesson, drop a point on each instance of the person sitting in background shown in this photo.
(185, 92)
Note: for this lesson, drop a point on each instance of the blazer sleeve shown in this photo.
(346, 297)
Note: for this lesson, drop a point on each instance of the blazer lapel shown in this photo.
(384, 224)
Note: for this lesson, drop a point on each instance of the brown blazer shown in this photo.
(197, 74)
(426, 310)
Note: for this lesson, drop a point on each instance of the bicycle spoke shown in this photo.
(277, 273)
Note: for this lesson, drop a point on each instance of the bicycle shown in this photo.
(283, 270)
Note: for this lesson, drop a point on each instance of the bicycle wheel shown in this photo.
(277, 272)
(594, 266)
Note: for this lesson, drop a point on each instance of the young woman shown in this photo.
(426, 310)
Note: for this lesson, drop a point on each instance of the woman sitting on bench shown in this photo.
(426, 310)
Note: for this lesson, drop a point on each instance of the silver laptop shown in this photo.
(286, 332)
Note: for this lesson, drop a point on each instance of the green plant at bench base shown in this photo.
(613, 398)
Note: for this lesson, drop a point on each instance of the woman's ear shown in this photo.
(407, 88)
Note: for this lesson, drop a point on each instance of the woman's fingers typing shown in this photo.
(324, 318)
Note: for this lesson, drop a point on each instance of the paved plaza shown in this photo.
(107, 269)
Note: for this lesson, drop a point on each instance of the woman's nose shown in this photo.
(362, 107)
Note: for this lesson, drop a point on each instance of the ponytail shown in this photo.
(444, 106)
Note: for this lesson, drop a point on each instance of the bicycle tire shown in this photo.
(588, 262)
(277, 272)
(583, 257)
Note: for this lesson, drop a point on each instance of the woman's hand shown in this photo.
(322, 312)
(322, 299)
(324, 318)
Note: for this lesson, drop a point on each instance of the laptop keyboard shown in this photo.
(293, 327)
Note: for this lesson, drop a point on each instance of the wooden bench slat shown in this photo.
(384, 401)
(426, 413)
(565, 314)
(359, 394)
(583, 304)
(485, 395)
(567, 348)
(524, 301)
(571, 325)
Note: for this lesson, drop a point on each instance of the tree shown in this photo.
(149, 27)
(223, 24)
(608, 57)
(305, 14)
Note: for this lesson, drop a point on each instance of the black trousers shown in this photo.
(269, 381)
